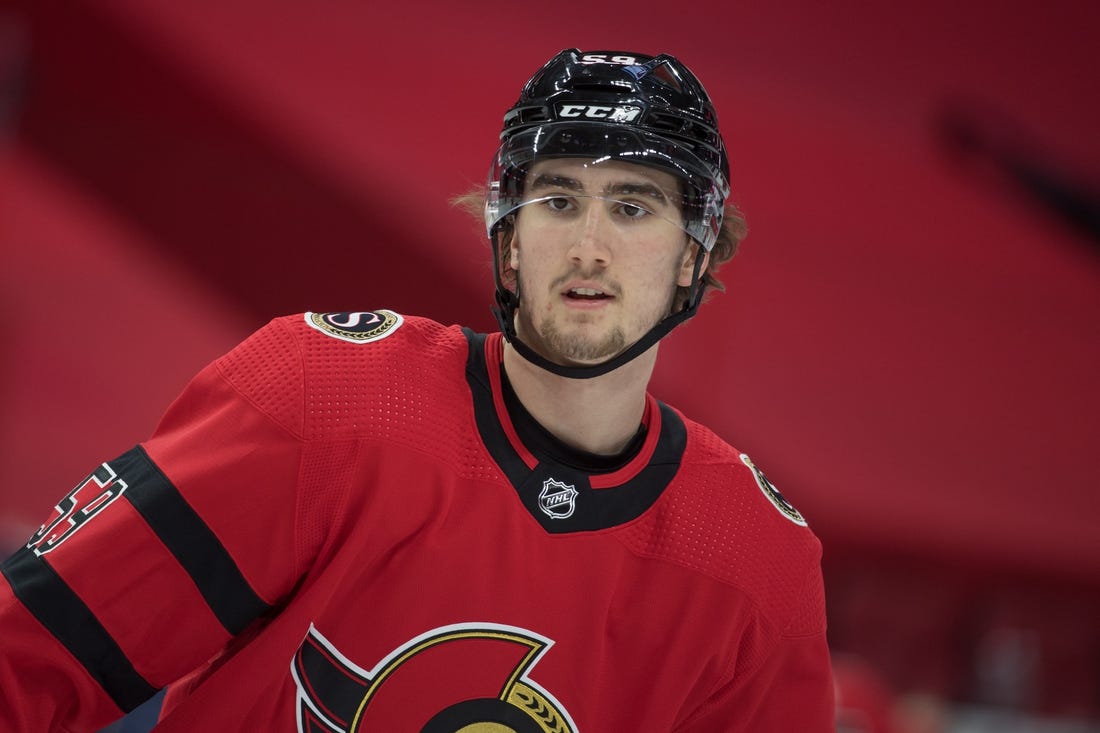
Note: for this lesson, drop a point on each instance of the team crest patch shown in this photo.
(465, 677)
(557, 500)
(785, 508)
(357, 327)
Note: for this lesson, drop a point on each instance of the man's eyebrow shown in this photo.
(552, 180)
(638, 189)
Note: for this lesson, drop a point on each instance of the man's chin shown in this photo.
(573, 346)
(574, 351)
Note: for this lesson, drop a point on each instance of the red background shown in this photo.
(908, 345)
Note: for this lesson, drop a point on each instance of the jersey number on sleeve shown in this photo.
(90, 497)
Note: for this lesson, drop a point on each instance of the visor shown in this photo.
(700, 197)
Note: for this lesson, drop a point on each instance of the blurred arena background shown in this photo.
(909, 343)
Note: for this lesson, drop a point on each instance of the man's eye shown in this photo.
(558, 203)
(631, 211)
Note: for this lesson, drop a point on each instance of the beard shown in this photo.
(573, 342)
(570, 339)
(579, 347)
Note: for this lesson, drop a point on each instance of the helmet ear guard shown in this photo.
(619, 106)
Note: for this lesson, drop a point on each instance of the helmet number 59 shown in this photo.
(602, 58)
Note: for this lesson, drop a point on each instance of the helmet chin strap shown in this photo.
(508, 304)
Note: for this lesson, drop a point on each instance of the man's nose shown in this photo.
(593, 234)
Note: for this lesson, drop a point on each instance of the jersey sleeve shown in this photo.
(784, 681)
(156, 560)
(792, 691)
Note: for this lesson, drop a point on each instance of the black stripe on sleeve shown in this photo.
(194, 545)
(60, 610)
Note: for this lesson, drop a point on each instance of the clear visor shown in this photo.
(646, 210)
(634, 176)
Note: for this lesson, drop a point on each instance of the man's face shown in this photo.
(595, 274)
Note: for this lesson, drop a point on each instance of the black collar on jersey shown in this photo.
(507, 303)
(542, 442)
(603, 498)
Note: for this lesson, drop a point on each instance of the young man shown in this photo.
(370, 522)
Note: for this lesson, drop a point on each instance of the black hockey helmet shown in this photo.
(612, 105)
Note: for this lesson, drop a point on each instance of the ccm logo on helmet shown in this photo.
(626, 113)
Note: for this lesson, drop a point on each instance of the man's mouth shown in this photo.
(586, 294)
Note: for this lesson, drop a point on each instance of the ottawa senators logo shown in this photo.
(466, 678)
(785, 507)
(358, 327)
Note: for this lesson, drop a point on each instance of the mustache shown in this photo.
(600, 280)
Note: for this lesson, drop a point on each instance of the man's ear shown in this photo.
(513, 250)
(687, 266)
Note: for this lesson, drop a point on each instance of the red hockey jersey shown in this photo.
(337, 527)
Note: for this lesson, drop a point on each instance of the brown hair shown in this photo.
(733, 231)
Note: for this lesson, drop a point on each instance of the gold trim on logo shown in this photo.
(351, 326)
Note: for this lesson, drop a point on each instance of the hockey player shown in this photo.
(367, 521)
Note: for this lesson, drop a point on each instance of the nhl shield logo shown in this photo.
(557, 500)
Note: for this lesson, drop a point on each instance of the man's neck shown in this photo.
(598, 415)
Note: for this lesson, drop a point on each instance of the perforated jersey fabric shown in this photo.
(326, 535)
